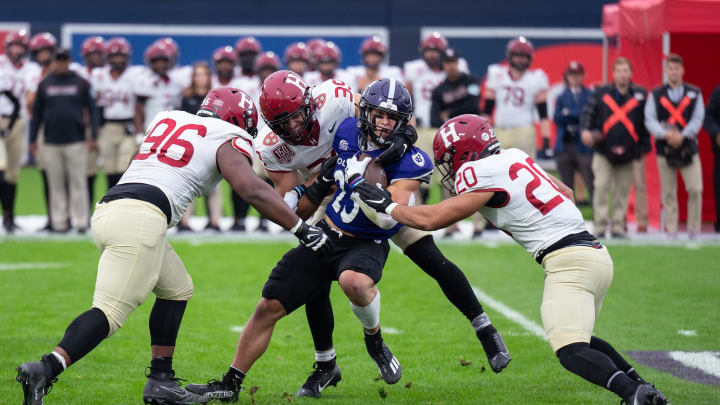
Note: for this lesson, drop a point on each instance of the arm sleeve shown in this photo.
(435, 107)
(651, 121)
(693, 126)
(712, 114)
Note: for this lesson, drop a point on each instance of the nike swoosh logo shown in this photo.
(376, 201)
(176, 392)
(332, 128)
(322, 387)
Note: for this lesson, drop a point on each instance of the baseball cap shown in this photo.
(574, 67)
(62, 54)
(450, 55)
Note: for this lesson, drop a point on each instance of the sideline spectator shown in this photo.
(712, 126)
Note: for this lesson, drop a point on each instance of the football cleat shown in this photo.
(646, 394)
(164, 389)
(225, 391)
(389, 366)
(35, 382)
(318, 380)
(495, 349)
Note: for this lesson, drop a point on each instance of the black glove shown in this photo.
(399, 144)
(313, 238)
(375, 197)
(325, 179)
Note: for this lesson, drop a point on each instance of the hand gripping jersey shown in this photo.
(536, 214)
(343, 211)
(423, 81)
(115, 95)
(15, 79)
(335, 102)
(162, 95)
(178, 156)
(515, 99)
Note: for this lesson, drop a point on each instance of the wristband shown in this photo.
(297, 226)
(355, 180)
(390, 208)
(300, 190)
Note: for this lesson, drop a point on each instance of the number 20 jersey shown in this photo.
(178, 156)
(536, 214)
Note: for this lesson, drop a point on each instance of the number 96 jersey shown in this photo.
(534, 211)
(178, 156)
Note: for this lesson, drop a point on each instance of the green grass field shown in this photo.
(656, 291)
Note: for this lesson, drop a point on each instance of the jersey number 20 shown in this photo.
(160, 145)
(543, 207)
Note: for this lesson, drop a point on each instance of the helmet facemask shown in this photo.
(280, 124)
(369, 125)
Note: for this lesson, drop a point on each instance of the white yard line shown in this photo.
(6, 266)
(707, 362)
(511, 314)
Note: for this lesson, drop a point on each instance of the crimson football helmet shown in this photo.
(224, 53)
(93, 44)
(373, 44)
(462, 139)
(434, 41)
(328, 53)
(314, 47)
(283, 96)
(231, 105)
(44, 40)
(248, 45)
(157, 50)
(267, 60)
(20, 37)
(297, 50)
(519, 46)
(118, 45)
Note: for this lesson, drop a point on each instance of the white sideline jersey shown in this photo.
(178, 156)
(313, 78)
(182, 75)
(115, 95)
(423, 81)
(162, 95)
(15, 79)
(536, 213)
(335, 102)
(81, 70)
(354, 73)
(515, 99)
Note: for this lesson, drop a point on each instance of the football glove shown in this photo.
(325, 179)
(399, 144)
(375, 197)
(312, 238)
(354, 170)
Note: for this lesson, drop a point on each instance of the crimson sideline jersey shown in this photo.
(515, 99)
(423, 81)
(162, 95)
(116, 96)
(536, 214)
(335, 102)
(15, 78)
(178, 156)
(354, 73)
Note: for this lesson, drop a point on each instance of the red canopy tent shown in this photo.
(647, 31)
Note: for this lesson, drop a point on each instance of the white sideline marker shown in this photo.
(390, 331)
(7, 266)
(510, 313)
(237, 329)
(707, 362)
(687, 332)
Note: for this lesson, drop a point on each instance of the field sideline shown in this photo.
(657, 292)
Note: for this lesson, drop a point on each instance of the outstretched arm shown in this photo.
(442, 215)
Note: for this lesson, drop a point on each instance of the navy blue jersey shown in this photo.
(343, 211)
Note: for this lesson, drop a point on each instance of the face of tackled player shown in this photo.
(382, 122)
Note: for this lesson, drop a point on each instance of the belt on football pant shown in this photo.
(579, 239)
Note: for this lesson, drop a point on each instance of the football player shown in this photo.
(224, 63)
(179, 73)
(113, 86)
(297, 58)
(266, 64)
(293, 164)
(247, 50)
(182, 157)
(516, 91)
(537, 210)
(373, 53)
(424, 74)
(15, 71)
(327, 59)
(314, 46)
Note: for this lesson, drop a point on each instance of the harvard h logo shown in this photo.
(449, 135)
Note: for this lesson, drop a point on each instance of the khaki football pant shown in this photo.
(576, 280)
(14, 149)
(639, 183)
(3, 158)
(136, 259)
(610, 178)
(523, 138)
(93, 155)
(692, 176)
(116, 148)
(66, 166)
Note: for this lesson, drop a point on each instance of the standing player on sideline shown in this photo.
(293, 162)
(516, 91)
(373, 53)
(424, 74)
(179, 73)
(327, 60)
(156, 90)
(517, 196)
(297, 58)
(129, 227)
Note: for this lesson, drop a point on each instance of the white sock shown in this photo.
(369, 315)
(325, 355)
(60, 358)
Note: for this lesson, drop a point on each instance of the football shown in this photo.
(374, 172)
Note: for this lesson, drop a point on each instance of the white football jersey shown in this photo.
(354, 73)
(178, 156)
(536, 213)
(335, 102)
(34, 75)
(182, 75)
(423, 81)
(81, 70)
(116, 95)
(515, 99)
(162, 95)
(314, 78)
(15, 78)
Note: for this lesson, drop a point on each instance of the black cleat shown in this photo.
(35, 382)
(389, 366)
(495, 349)
(225, 391)
(319, 380)
(646, 394)
(238, 226)
(164, 389)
